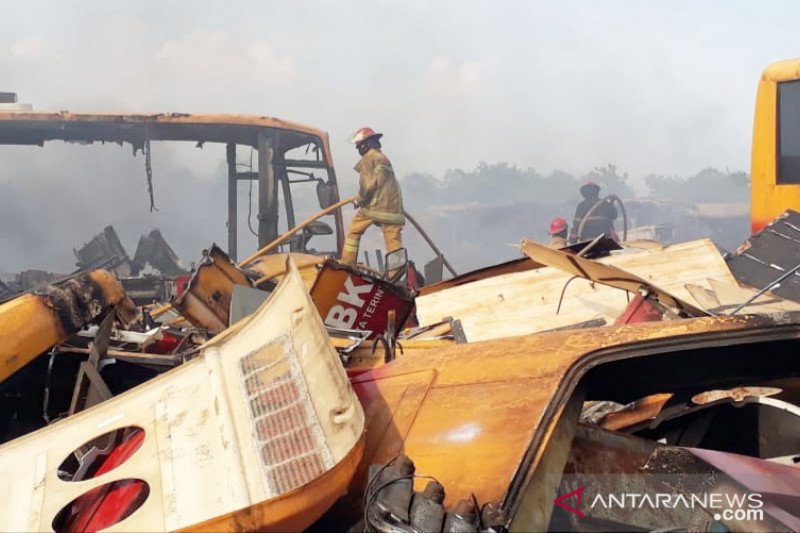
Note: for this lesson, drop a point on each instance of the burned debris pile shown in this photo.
(670, 375)
(607, 385)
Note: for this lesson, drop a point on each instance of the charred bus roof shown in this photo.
(36, 127)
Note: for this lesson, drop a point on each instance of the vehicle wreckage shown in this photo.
(604, 386)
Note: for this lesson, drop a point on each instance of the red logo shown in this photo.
(578, 493)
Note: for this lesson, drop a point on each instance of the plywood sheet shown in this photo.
(521, 303)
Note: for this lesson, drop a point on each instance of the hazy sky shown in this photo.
(652, 87)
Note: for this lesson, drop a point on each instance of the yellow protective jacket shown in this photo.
(558, 242)
(379, 193)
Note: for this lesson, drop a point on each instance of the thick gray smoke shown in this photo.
(55, 198)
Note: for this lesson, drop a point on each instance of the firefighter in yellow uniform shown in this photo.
(379, 197)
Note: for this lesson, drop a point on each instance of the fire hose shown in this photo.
(611, 198)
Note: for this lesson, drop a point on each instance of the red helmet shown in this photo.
(362, 134)
(557, 225)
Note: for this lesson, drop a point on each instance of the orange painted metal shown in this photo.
(272, 267)
(64, 120)
(643, 409)
(470, 414)
(207, 300)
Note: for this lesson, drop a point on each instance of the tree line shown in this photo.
(503, 182)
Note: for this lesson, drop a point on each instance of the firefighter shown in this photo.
(558, 233)
(599, 219)
(380, 201)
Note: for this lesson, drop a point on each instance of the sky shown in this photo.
(651, 87)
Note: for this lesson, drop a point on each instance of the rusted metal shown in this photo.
(769, 255)
(598, 458)
(646, 408)
(737, 394)
(233, 220)
(36, 128)
(469, 399)
(603, 463)
(104, 251)
(207, 300)
(154, 250)
(267, 190)
(283, 238)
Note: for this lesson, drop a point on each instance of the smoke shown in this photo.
(56, 198)
(650, 87)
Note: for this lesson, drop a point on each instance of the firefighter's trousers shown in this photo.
(359, 224)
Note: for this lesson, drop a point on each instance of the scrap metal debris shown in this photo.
(769, 255)
(295, 390)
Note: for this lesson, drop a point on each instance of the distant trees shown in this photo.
(496, 183)
(474, 214)
(610, 181)
(504, 183)
(708, 185)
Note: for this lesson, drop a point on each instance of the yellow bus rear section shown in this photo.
(768, 199)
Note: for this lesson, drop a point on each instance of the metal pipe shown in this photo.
(232, 200)
(430, 243)
(135, 357)
(267, 190)
(283, 238)
(613, 198)
(765, 289)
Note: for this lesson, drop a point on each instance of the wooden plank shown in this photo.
(610, 275)
(731, 296)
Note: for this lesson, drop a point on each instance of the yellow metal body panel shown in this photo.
(273, 267)
(767, 198)
(207, 300)
(32, 323)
